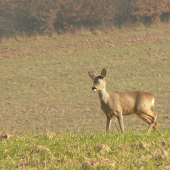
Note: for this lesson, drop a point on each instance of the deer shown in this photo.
(123, 103)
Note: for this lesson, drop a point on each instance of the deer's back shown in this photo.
(131, 102)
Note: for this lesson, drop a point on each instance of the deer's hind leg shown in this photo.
(149, 119)
(153, 116)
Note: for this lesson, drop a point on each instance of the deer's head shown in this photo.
(99, 82)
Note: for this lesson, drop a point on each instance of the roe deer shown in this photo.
(126, 103)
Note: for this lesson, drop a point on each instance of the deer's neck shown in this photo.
(103, 95)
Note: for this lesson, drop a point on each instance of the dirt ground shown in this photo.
(18, 115)
(33, 49)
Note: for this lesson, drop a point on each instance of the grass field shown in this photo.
(133, 151)
(51, 119)
(45, 85)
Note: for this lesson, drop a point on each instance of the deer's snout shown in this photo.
(94, 88)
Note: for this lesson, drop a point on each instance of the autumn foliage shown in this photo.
(23, 17)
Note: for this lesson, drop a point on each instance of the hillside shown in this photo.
(45, 85)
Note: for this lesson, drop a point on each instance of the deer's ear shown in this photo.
(91, 75)
(103, 73)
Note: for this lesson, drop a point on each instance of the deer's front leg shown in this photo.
(108, 123)
(121, 123)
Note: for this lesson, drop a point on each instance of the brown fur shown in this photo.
(126, 103)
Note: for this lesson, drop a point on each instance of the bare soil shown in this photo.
(51, 95)
(70, 45)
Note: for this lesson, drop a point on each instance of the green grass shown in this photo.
(49, 93)
(86, 151)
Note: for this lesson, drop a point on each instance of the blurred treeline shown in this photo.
(31, 17)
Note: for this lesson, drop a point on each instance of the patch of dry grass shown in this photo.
(45, 85)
